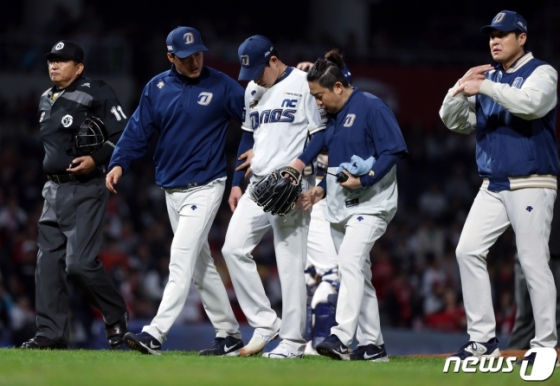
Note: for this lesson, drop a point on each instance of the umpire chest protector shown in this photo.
(61, 112)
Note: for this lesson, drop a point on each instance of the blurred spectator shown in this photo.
(433, 285)
(382, 271)
(22, 318)
(428, 239)
(6, 305)
(398, 301)
(433, 201)
(451, 318)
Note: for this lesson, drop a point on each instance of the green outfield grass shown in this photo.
(104, 368)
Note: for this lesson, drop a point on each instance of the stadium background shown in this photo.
(408, 53)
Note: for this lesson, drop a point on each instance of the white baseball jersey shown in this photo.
(281, 118)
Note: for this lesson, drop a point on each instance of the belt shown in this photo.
(71, 177)
(182, 188)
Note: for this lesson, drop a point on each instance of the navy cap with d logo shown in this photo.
(254, 54)
(506, 21)
(184, 41)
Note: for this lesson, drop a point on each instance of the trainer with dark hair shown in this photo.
(364, 143)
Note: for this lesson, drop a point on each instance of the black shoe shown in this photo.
(115, 332)
(333, 348)
(370, 353)
(40, 342)
(143, 342)
(228, 346)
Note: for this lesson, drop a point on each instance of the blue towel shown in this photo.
(357, 167)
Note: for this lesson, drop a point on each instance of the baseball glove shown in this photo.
(277, 193)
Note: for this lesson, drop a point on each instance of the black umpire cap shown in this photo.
(67, 50)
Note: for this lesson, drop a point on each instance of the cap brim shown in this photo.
(190, 51)
(489, 28)
(51, 55)
(251, 73)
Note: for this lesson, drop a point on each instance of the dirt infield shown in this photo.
(505, 353)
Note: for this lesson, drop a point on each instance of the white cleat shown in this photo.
(256, 344)
(283, 351)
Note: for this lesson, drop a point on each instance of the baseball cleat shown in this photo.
(478, 349)
(333, 348)
(370, 353)
(257, 343)
(284, 351)
(143, 342)
(228, 346)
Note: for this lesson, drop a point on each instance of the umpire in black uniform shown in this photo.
(71, 224)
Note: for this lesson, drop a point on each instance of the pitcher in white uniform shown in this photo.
(280, 116)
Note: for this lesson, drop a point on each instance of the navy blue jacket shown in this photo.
(191, 117)
(507, 145)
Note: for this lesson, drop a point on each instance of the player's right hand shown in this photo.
(304, 66)
(234, 197)
(310, 198)
(112, 178)
(476, 73)
(247, 156)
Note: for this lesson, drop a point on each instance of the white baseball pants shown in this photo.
(529, 211)
(246, 228)
(357, 311)
(191, 213)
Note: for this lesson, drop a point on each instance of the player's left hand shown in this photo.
(352, 182)
(469, 87)
(310, 198)
(247, 156)
(82, 165)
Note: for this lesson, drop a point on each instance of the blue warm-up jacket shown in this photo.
(191, 117)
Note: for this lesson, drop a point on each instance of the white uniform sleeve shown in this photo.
(317, 116)
(536, 97)
(458, 112)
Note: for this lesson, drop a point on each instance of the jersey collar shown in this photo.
(517, 64)
(190, 81)
(71, 87)
(345, 106)
(284, 75)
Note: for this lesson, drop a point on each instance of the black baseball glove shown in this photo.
(278, 192)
